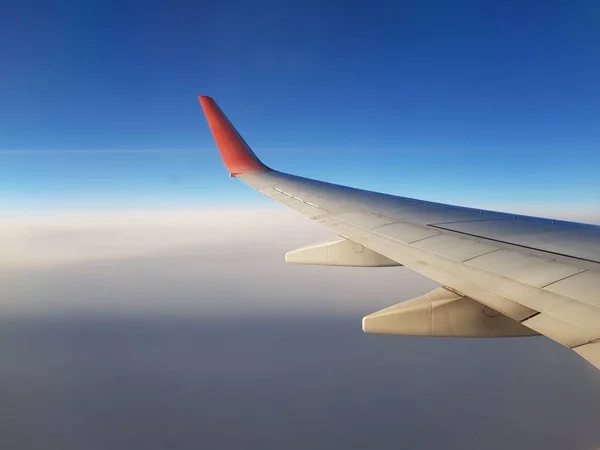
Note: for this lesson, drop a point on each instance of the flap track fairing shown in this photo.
(443, 313)
(339, 252)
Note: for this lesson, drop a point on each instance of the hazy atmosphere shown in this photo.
(186, 328)
(207, 263)
(201, 262)
(145, 301)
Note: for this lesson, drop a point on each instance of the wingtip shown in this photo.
(207, 102)
(235, 152)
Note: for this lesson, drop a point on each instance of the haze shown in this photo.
(145, 302)
(185, 328)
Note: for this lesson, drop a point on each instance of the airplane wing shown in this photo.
(500, 274)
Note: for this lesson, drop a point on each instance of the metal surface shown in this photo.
(584, 287)
(454, 247)
(578, 241)
(528, 269)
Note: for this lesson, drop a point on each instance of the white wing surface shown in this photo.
(501, 274)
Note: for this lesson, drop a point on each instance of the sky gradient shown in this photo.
(145, 298)
(487, 104)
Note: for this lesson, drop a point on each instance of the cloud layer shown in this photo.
(188, 327)
(206, 262)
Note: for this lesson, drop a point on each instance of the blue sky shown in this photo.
(483, 103)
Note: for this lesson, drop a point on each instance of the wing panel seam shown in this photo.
(470, 221)
(483, 254)
(564, 278)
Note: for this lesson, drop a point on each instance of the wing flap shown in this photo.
(555, 237)
(455, 247)
(565, 333)
(584, 287)
(527, 269)
(591, 353)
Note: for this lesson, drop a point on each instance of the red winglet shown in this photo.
(235, 153)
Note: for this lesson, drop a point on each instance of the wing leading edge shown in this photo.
(544, 274)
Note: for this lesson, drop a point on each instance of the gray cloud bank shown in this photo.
(187, 330)
(291, 383)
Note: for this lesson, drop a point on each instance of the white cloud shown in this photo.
(45, 239)
(204, 262)
(208, 262)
